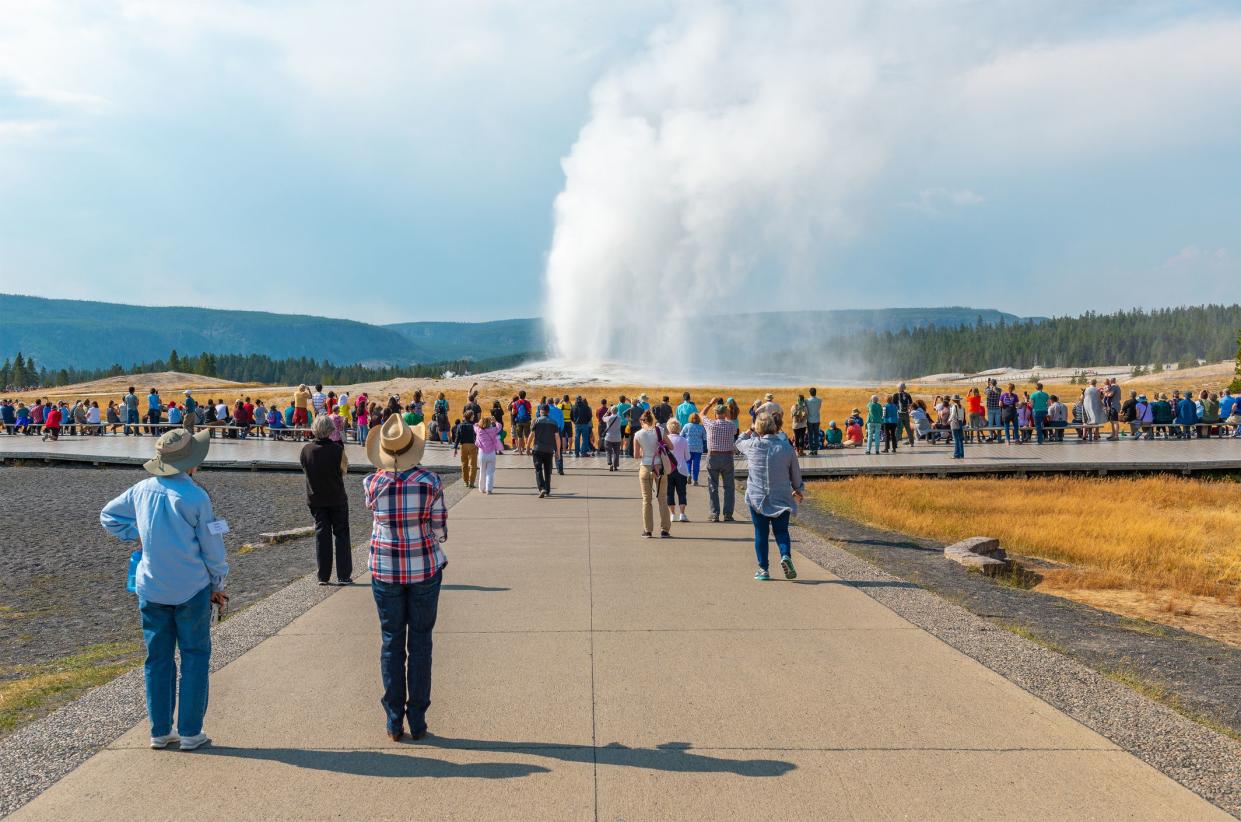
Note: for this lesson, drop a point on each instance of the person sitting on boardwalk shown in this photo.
(407, 566)
(773, 490)
(181, 573)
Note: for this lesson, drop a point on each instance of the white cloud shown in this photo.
(934, 201)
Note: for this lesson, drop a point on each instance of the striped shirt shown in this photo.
(721, 434)
(407, 507)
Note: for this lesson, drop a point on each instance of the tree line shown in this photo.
(249, 368)
(1153, 339)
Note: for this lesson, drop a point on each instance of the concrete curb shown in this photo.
(1205, 762)
(38, 755)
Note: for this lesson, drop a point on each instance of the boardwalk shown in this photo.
(582, 672)
(1124, 455)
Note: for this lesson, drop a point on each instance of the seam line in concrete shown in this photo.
(590, 591)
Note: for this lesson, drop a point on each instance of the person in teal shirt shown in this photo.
(874, 422)
(1038, 409)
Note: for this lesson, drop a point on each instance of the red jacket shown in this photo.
(53, 418)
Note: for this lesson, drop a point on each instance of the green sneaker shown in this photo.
(786, 563)
(761, 575)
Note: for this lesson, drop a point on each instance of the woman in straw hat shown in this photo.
(407, 565)
(181, 573)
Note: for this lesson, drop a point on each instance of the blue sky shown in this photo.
(400, 161)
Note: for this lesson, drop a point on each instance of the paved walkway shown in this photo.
(582, 672)
(1071, 455)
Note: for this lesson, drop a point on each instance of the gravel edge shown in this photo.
(38, 755)
(1205, 762)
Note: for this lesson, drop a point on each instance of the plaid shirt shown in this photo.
(407, 506)
(721, 434)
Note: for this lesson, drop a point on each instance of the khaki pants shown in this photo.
(189, 420)
(653, 486)
(469, 462)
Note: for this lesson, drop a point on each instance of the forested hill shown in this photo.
(1169, 335)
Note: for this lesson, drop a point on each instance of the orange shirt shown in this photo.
(973, 405)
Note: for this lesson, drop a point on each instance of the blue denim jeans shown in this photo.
(406, 619)
(362, 429)
(1040, 422)
(695, 464)
(131, 417)
(872, 436)
(958, 443)
(165, 629)
(777, 525)
(1012, 429)
(581, 439)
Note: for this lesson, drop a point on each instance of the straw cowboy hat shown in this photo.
(177, 451)
(398, 446)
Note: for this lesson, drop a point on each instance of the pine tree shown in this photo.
(174, 362)
(1236, 383)
(6, 374)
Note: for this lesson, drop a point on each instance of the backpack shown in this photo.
(665, 462)
(521, 411)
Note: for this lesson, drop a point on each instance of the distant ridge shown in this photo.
(89, 334)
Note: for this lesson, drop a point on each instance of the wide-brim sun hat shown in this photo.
(178, 451)
(399, 445)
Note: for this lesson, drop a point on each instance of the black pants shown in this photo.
(613, 454)
(889, 435)
(543, 470)
(676, 488)
(332, 520)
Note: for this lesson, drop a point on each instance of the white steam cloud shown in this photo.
(722, 168)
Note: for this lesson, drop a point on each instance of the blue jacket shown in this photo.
(1186, 412)
(891, 413)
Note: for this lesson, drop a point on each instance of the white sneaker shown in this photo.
(190, 743)
(160, 742)
(682, 518)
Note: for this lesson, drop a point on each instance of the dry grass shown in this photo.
(1148, 533)
(30, 691)
(1160, 548)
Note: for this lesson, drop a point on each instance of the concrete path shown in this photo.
(1071, 455)
(582, 672)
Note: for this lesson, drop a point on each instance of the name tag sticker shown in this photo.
(218, 526)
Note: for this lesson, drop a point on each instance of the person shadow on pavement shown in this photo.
(670, 756)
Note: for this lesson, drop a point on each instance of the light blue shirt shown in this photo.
(180, 556)
(555, 415)
(684, 410)
(774, 473)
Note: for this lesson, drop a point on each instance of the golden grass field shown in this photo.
(1165, 548)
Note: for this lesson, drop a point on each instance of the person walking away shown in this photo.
(874, 421)
(582, 419)
(956, 424)
(696, 439)
(407, 564)
(685, 409)
(363, 422)
(464, 439)
(1039, 401)
(679, 477)
(544, 445)
(800, 413)
(325, 465)
(904, 405)
(182, 572)
(521, 415)
(663, 412)
(653, 475)
(487, 438)
(721, 440)
(622, 410)
(635, 423)
(557, 416)
(441, 417)
(612, 436)
(773, 490)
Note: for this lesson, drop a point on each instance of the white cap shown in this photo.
(187, 392)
